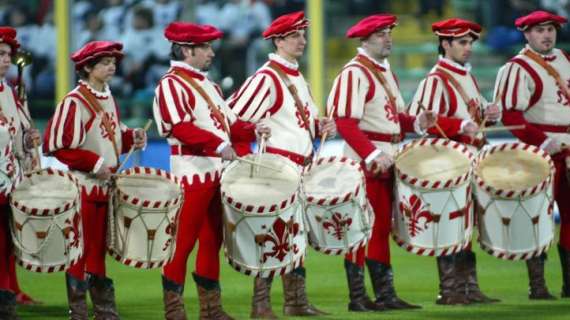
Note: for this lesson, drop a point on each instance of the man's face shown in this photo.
(200, 56)
(459, 49)
(293, 45)
(104, 70)
(5, 59)
(379, 44)
(541, 38)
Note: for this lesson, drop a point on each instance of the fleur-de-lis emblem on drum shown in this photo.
(71, 231)
(171, 231)
(414, 210)
(336, 225)
(279, 236)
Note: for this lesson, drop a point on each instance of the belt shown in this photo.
(384, 137)
(552, 128)
(295, 157)
(476, 142)
(180, 150)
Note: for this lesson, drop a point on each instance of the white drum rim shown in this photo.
(443, 251)
(430, 183)
(326, 201)
(147, 171)
(50, 211)
(267, 272)
(512, 194)
(260, 209)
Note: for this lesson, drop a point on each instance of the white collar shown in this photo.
(279, 59)
(184, 65)
(551, 54)
(106, 93)
(384, 64)
(466, 67)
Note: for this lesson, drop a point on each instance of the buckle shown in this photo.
(568, 129)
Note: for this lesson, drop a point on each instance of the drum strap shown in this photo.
(293, 90)
(380, 77)
(216, 112)
(472, 105)
(550, 70)
(105, 120)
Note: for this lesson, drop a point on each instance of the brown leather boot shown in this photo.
(359, 300)
(537, 284)
(467, 283)
(383, 283)
(102, 294)
(76, 298)
(8, 305)
(565, 262)
(172, 294)
(295, 294)
(448, 294)
(261, 300)
(209, 295)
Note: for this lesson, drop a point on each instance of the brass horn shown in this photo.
(22, 58)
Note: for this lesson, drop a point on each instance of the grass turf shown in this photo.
(139, 292)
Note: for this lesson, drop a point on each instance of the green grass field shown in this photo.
(139, 292)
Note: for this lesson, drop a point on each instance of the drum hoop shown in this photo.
(511, 194)
(430, 183)
(125, 197)
(432, 252)
(338, 199)
(50, 211)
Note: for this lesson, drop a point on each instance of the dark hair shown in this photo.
(84, 75)
(176, 53)
(440, 48)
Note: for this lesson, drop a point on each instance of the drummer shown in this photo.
(16, 140)
(533, 91)
(369, 112)
(292, 115)
(202, 132)
(86, 134)
(450, 89)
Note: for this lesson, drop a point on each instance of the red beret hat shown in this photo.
(456, 28)
(191, 33)
(8, 36)
(370, 24)
(539, 17)
(95, 49)
(286, 24)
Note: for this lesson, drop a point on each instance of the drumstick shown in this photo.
(257, 164)
(439, 129)
(146, 127)
(260, 150)
(501, 128)
(324, 136)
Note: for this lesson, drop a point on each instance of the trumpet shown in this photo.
(22, 59)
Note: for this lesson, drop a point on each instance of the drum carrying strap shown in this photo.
(550, 70)
(380, 77)
(216, 112)
(472, 105)
(104, 118)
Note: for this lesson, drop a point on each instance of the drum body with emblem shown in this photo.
(339, 217)
(433, 208)
(143, 220)
(513, 186)
(46, 223)
(264, 234)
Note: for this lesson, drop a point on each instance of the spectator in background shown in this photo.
(94, 29)
(561, 8)
(165, 11)
(113, 16)
(207, 12)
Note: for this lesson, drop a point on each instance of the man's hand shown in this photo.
(228, 153)
(470, 129)
(381, 164)
(32, 139)
(492, 113)
(427, 119)
(553, 146)
(104, 173)
(262, 130)
(140, 138)
(327, 126)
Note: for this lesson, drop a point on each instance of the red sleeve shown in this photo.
(406, 122)
(242, 135)
(356, 139)
(195, 137)
(127, 140)
(529, 134)
(450, 126)
(77, 159)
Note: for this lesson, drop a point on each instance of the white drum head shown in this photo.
(148, 187)
(42, 191)
(433, 162)
(331, 180)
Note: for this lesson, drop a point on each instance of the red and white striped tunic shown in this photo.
(194, 133)
(529, 95)
(363, 111)
(264, 96)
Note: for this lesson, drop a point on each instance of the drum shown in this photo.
(46, 224)
(433, 215)
(339, 217)
(143, 220)
(513, 186)
(264, 234)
